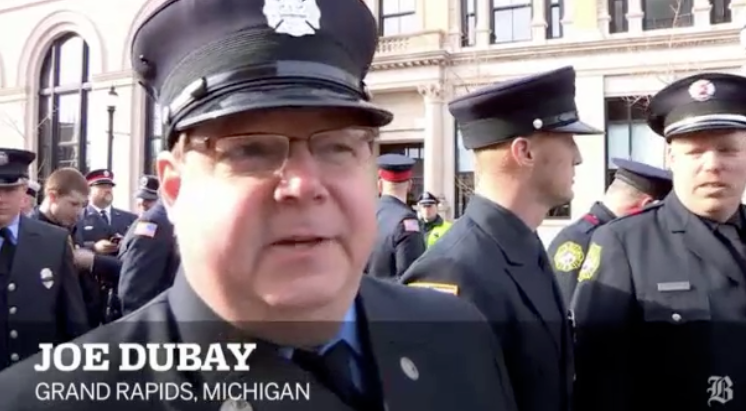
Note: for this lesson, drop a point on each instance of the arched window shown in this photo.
(153, 135)
(63, 106)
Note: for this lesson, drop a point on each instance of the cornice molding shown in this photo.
(666, 39)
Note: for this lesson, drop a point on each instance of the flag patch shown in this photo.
(411, 225)
(146, 229)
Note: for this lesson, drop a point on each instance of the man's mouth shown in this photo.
(300, 241)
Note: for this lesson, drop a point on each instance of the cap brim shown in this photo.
(427, 203)
(705, 126)
(15, 184)
(147, 196)
(102, 182)
(577, 127)
(282, 96)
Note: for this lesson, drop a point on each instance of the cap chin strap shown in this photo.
(710, 120)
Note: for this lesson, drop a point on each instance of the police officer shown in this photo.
(40, 298)
(635, 186)
(434, 225)
(661, 300)
(103, 225)
(29, 202)
(266, 111)
(400, 240)
(65, 192)
(147, 194)
(149, 257)
(525, 156)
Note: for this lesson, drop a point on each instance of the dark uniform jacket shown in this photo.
(568, 248)
(428, 352)
(661, 316)
(400, 240)
(493, 259)
(105, 270)
(149, 258)
(94, 228)
(40, 298)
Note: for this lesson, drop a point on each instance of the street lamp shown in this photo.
(111, 108)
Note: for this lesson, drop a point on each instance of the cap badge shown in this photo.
(295, 18)
(144, 181)
(538, 124)
(3, 158)
(107, 173)
(702, 90)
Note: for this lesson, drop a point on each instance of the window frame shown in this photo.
(493, 11)
(549, 6)
(614, 19)
(676, 21)
(48, 129)
(720, 12)
(383, 17)
(466, 15)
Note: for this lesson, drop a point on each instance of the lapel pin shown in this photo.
(47, 278)
(410, 370)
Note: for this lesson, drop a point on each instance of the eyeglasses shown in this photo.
(266, 153)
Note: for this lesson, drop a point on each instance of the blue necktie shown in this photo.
(333, 370)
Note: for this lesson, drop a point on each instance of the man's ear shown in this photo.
(521, 150)
(169, 174)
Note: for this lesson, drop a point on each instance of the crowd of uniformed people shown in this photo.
(262, 226)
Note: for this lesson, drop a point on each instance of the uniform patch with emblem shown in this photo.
(411, 225)
(443, 288)
(569, 257)
(146, 229)
(591, 263)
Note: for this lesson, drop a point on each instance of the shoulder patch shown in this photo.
(145, 229)
(569, 257)
(444, 288)
(591, 263)
(411, 224)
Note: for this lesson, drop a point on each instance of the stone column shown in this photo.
(432, 94)
(484, 12)
(634, 16)
(539, 21)
(701, 13)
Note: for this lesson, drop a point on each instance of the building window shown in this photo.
(64, 86)
(666, 14)
(468, 22)
(464, 184)
(554, 10)
(720, 11)
(511, 21)
(415, 151)
(153, 135)
(618, 16)
(628, 135)
(397, 17)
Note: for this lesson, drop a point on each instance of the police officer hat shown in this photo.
(427, 198)
(520, 107)
(148, 189)
(706, 101)
(204, 60)
(650, 180)
(33, 189)
(14, 166)
(100, 176)
(396, 168)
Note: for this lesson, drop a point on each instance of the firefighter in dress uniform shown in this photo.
(400, 241)
(40, 297)
(635, 186)
(660, 306)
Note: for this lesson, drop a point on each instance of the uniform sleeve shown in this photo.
(144, 272)
(106, 267)
(71, 315)
(567, 252)
(409, 243)
(603, 307)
